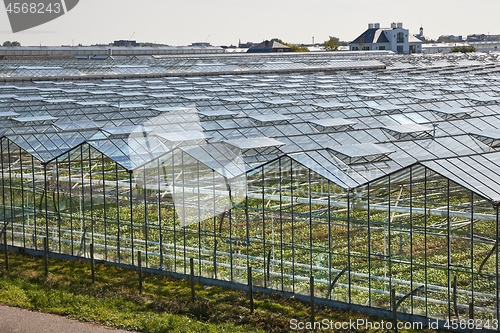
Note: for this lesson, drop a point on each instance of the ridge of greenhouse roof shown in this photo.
(478, 173)
(361, 153)
(462, 170)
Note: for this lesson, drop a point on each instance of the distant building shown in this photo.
(450, 39)
(432, 48)
(395, 38)
(246, 45)
(487, 46)
(476, 38)
(483, 38)
(122, 42)
(100, 52)
(421, 37)
(200, 44)
(269, 46)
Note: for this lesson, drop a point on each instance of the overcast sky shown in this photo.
(224, 22)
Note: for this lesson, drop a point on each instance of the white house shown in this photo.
(396, 38)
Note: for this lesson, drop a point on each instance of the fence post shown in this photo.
(455, 301)
(92, 262)
(471, 316)
(46, 255)
(6, 249)
(250, 289)
(139, 270)
(393, 308)
(311, 287)
(191, 278)
(161, 251)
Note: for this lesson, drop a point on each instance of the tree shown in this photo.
(11, 44)
(463, 49)
(331, 44)
(298, 48)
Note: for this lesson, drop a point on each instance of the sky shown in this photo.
(225, 22)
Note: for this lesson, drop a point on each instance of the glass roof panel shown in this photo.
(463, 170)
(325, 108)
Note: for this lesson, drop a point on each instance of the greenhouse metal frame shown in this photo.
(370, 180)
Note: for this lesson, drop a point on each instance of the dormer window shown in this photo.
(400, 38)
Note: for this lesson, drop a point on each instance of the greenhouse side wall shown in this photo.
(414, 231)
(23, 198)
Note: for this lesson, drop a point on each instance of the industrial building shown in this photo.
(86, 52)
(269, 46)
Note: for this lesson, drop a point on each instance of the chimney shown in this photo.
(400, 25)
(377, 25)
(393, 25)
(370, 25)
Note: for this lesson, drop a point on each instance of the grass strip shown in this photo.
(164, 306)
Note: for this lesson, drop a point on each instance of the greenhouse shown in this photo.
(369, 172)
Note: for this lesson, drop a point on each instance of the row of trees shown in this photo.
(295, 48)
(10, 44)
(463, 49)
(332, 44)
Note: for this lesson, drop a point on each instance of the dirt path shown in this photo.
(14, 320)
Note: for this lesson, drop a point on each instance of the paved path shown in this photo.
(14, 320)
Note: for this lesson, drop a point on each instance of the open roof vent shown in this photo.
(484, 100)
(270, 119)
(217, 114)
(35, 119)
(385, 109)
(279, 102)
(361, 153)
(490, 138)
(410, 131)
(329, 106)
(125, 131)
(450, 113)
(261, 145)
(332, 124)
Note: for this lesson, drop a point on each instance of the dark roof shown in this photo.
(370, 34)
(269, 46)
